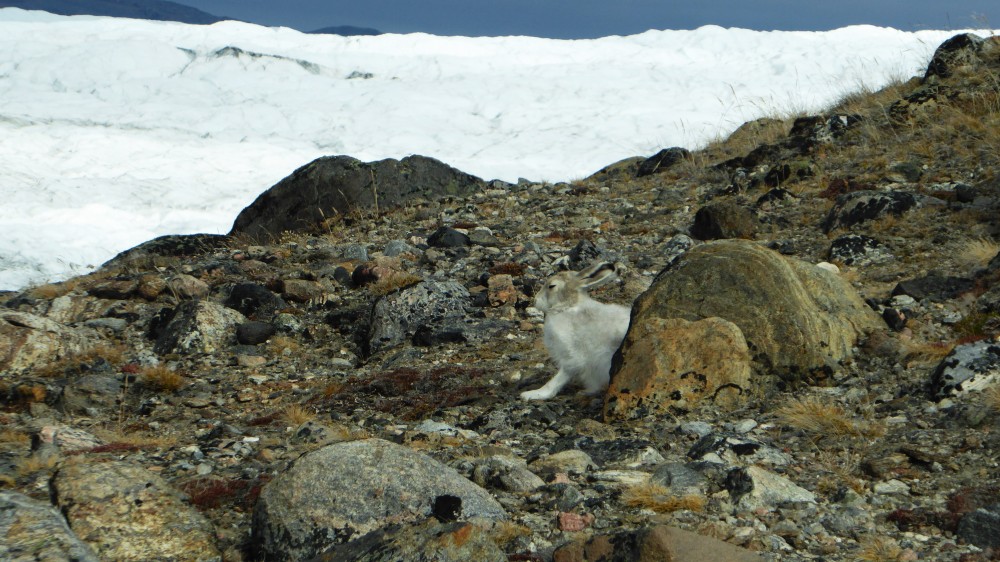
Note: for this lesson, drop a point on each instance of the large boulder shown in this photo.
(798, 319)
(338, 185)
(125, 512)
(27, 340)
(32, 530)
(673, 364)
(348, 489)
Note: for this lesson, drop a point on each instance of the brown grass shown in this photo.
(14, 436)
(822, 419)
(504, 532)
(36, 463)
(134, 438)
(977, 252)
(278, 345)
(114, 355)
(917, 353)
(162, 378)
(393, 282)
(659, 499)
(991, 398)
(879, 549)
(297, 415)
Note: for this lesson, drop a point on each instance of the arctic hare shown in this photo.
(581, 334)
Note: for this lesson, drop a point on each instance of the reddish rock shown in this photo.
(675, 364)
(653, 544)
(575, 522)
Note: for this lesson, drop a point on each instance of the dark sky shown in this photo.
(570, 19)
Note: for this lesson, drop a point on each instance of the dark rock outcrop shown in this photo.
(340, 185)
(935, 287)
(662, 161)
(860, 206)
(720, 220)
(962, 50)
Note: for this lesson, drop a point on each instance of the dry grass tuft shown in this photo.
(823, 419)
(136, 439)
(54, 290)
(504, 532)
(297, 415)
(162, 378)
(283, 345)
(917, 353)
(390, 283)
(977, 253)
(36, 463)
(991, 398)
(659, 499)
(14, 436)
(879, 549)
(114, 355)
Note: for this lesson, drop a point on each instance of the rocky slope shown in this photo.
(346, 387)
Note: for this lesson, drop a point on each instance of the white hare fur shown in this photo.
(580, 333)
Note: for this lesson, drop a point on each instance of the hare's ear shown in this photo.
(599, 274)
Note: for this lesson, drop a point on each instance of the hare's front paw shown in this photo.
(538, 394)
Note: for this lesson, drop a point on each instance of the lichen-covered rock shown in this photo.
(427, 542)
(348, 489)
(27, 340)
(653, 544)
(125, 512)
(68, 309)
(199, 327)
(968, 368)
(672, 364)
(753, 487)
(31, 530)
(398, 316)
(859, 206)
(797, 319)
(858, 250)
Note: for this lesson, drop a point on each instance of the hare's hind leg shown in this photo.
(549, 389)
(595, 379)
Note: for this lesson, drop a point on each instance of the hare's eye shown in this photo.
(552, 285)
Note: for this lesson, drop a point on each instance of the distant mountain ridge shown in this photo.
(346, 30)
(161, 10)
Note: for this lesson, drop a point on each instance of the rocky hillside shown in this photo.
(812, 369)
